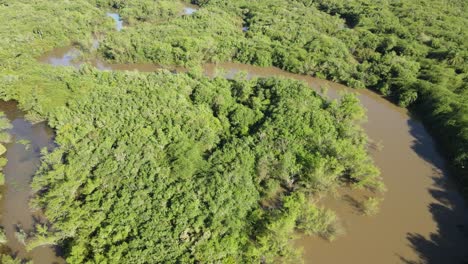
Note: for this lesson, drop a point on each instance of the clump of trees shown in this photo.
(164, 167)
(207, 35)
(149, 11)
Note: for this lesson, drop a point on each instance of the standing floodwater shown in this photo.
(189, 10)
(65, 56)
(117, 19)
(23, 156)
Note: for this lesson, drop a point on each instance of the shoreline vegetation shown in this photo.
(216, 169)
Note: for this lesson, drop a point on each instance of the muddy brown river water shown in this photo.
(23, 161)
(423, 219)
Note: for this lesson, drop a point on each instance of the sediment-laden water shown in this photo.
(23, 156)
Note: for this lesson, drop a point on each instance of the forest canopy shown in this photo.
(163, 167)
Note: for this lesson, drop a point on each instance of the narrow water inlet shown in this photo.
(23, 155)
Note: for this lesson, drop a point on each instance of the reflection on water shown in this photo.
(70, 56)
(117, 19)
(423, 218)
(63, 57)
(23, 161)
(189, 10)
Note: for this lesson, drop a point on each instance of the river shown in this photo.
(423, 218)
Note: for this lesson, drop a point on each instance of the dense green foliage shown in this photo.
(144, 11)
(173, 168)
(165, 167)
(28, 30)
(181, 41)
(414, 52)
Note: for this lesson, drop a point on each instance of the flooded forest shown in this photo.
(216, 131)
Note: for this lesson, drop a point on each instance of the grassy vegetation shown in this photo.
(371, 206)
(6, 259)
